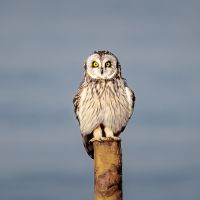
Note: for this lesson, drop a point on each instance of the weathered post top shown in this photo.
(107, 170)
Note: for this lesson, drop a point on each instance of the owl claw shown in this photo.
(116, 138)
(95, 139)
(105, 139)
(111, 138)
(100, 139)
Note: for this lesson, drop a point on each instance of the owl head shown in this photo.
(102, 65)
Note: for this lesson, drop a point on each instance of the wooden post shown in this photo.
(107, 170)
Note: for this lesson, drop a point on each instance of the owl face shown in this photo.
(102, 65)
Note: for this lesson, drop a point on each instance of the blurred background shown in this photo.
(43, 45)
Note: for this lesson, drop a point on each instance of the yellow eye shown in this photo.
(108, 64)
(95, 64)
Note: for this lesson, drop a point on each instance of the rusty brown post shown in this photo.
(107, 170)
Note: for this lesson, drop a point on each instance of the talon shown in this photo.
(98, 139)
(113, 138)
(116, 138)
(94, 139)
(110, 134)
(97, 134)
(105, 138)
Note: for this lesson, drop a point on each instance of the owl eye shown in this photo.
(95, 64)
(108, 64)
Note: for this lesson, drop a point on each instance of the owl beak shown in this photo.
(101, 71)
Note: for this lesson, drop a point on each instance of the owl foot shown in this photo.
(110, 134)
(105, 139)
(97, 134)
(111, 138)
(98, 139)
(116, 138)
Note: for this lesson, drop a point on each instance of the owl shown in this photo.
(103, 103)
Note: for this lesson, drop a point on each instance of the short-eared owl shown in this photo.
(103, 103)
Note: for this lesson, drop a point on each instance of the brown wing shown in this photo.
(88, 145)
(76, 99)
(130, 95)
(86, 138)
(131, 100)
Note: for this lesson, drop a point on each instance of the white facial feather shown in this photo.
(101, 72)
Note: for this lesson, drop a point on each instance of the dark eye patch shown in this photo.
(108, 64)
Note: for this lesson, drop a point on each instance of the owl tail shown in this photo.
(88, 145)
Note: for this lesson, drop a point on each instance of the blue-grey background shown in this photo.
(43, 45)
